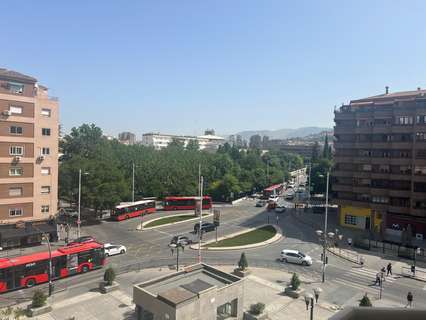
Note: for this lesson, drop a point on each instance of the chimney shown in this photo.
(387, 89)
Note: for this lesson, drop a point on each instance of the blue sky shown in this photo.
(183, 66)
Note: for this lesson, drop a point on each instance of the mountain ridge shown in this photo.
(284, 133)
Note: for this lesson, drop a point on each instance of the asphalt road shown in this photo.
(345, 282)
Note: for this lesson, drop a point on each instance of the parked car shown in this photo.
(280, 209)
(273, 198)
(205, 227)
(295, 256)
(182, 240)
(69, 212)
(83, 239)
(113, 249)
(289, 196)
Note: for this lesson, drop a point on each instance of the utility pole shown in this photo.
(324, 261)
(133, 181)
(200, 192)
(79, 204)
(309, 184)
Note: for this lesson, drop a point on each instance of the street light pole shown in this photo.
(324, 262)
(133, 182)
(79, 203)
(309, 184)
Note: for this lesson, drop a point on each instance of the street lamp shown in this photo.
(309, 300)
(177, 247)
(325, 227)
(49, 274)
(79, 201)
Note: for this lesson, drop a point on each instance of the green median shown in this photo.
(250, 237)
(169, 219)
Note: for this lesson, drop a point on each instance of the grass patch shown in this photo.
(170, 219)
(254, 236)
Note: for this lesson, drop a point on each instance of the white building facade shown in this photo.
(160, 141)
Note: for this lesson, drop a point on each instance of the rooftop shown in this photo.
(14, 75)
(188, 284)
(393, 96)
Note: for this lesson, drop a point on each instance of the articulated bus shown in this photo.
(185, 203)
(133, 209)
(32, 269)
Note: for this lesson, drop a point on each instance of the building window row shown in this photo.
(18, 171)
(16, 150)
(15, 130)
(16, 212)
(45, 131)
(349, 219)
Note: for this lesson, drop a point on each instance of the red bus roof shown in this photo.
(44, 255)
(185, 197)
(130, 204)
(273, 187)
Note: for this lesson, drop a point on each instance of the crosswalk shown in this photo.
(362, 279)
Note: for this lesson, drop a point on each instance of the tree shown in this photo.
(326, 149)
(39, 299)
(176, 143)
(365, 301)
(319, 175)
(295, 282)
(193, 145)
(255, 142)
(109, 276)
(243, 264)
(257, 308)
(315, 151)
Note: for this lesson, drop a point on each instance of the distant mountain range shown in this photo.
(284, 133)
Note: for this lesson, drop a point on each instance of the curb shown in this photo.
(172, 223)
(343, 257)
(275, 238)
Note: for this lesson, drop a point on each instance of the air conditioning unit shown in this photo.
(7, 113)
(41, 157)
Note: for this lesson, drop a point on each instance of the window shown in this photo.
(16, 87)
(404, 120)
(17, 212)
(45, 189)
(15, 130)
(16, 151)
(366, 167)
(384, 168)
(421, 135)
(15, 192)
(350, 220)
(45, 131)
(45, 112)
(421, 170)
(15, 171)
(379, 199)
(45, 209)
(45, 171)
(421, 119)
(15, 109)
(45, 151)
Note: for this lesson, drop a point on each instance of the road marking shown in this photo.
(364, 272)
(366, 288)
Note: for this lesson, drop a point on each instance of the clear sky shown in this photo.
(183, 66)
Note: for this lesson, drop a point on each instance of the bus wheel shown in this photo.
(127, 217)
(30, 283)
(84, 269)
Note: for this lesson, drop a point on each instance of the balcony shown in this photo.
(400, 193)
(361, 189)
(402, 129)
(341, 173)
(342, 187)
(363, 130)
(397, 209)
(382, 129)
(375, 191)
(344, 129)
(344, 115)
(344, 145)
(343, 159)
(366, 160)
(361, 174)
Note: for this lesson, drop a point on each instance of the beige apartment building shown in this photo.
(29, 129)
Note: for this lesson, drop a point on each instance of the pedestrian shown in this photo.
(377, 282)
(382, 273)
(389, 269)
(409, 299)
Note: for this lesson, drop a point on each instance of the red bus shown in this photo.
(29, 270)
(185, 203)
(133, 209)
(273, 190)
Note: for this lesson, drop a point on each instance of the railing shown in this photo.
(347, 255)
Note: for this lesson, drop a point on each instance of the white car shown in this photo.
(273, 198)
(113, 249)
(295, 256)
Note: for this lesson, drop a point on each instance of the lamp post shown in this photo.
(324, 233)
(49, 274)
(133, 181)
(79, 202)
(177, 247)
(309, 300)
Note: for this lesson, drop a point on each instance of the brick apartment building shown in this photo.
(28, 160)
(380, 163)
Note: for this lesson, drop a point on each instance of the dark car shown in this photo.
(83, 239)
(205, 227)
